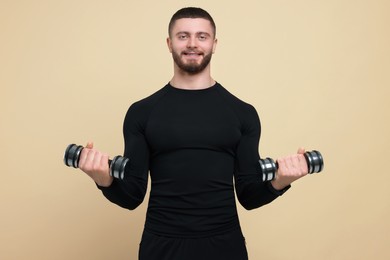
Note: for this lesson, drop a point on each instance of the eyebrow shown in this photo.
(197, 33)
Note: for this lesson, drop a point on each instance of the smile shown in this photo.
(192, 54)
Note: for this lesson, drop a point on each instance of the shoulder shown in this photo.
(240, 107)
(139, 111)
(148, 102)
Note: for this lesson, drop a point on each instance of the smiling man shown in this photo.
(192, 49)
(195, 138)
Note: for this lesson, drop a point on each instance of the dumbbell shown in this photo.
(117, 164)
(314, 160)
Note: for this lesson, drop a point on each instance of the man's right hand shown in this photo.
(95, 164)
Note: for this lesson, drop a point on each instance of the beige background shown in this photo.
(318, 73)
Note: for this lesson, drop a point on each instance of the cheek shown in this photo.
(214, 47)
(177, 48)
(171, 48)
(174, 46)
(208, 47)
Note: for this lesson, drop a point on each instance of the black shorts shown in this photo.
(227, 246)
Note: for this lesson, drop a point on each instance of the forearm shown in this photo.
(253, 193)
(127, 194)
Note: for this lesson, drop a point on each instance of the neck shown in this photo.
(184, 80)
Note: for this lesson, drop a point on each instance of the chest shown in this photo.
(193, 122)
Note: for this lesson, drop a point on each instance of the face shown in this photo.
(192, 43)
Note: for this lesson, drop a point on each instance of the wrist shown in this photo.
(277, 192)
(105, 183)
(277, 185)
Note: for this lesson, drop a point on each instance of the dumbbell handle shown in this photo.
(117, 164)
(314, 160)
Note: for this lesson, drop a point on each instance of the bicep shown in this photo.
(252, 192)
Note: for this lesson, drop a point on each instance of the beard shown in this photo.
(191, 67)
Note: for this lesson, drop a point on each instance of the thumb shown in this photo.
(89, 145)
(301, 150)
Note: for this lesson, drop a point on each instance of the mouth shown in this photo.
(192, 54)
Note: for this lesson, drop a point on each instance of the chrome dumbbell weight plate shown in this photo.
(72, 155)
(315, 161)
(117, 167)
(268, 168)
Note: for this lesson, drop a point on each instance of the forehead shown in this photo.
(192, 25)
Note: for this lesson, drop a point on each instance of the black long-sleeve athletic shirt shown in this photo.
(193, 143)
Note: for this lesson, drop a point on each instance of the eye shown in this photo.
(202, 37)
(182, 36)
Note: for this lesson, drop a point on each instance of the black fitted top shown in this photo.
(193, 143)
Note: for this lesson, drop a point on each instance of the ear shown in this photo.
(215, 44)
(169, 44)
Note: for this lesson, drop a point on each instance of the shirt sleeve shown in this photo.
(130, 192)
(252, 192)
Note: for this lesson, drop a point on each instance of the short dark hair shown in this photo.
(191, 12)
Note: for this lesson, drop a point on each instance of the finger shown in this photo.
(301, 150)
(104, 161)
(89, 159)
(295, 163)
(282, 166)
(303, 164)
(290, 161)
(96, 162)
(89, 145)
(83, 157)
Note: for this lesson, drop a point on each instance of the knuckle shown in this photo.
(95, 167)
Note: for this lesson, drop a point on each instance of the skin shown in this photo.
(191, 42)
(94, 164)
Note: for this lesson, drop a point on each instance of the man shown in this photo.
(194, 137)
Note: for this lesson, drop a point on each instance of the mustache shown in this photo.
(191, 51)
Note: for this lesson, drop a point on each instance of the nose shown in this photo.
(191, 43)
